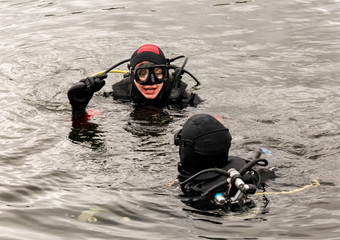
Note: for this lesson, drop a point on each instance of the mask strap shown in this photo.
(178, 141)
(213, 131)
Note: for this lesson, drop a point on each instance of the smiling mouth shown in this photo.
(149, 90)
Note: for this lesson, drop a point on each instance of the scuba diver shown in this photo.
(209, 178)
(151, 79)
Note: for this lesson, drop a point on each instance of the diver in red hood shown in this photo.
(151, 79)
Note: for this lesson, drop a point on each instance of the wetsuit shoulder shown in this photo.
(235, 162)
(264, 173)
(180, 94)
(192, 98)
(122, 90)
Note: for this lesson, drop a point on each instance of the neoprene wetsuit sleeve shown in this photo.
(79, 96)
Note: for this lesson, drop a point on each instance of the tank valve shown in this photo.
(220, 199)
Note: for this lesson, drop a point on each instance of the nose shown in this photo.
(152, 78)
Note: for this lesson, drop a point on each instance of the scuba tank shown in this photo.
(226, 187)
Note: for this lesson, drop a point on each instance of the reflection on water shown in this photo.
(269, 69)
(84, 131)
(151, 115)
(145, 121)
(148, 121)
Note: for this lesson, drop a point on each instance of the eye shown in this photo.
(143, 74)
(159, 72)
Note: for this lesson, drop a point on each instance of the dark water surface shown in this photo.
(269, 70)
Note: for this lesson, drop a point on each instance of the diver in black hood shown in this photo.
(208, 175)
(151, 79)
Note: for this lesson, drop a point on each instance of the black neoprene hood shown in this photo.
(147, 52)
(204, 143)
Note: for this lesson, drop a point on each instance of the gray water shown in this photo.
(269, 70)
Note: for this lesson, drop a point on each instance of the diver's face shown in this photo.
(148, 91)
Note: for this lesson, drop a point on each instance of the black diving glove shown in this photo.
(81, 93)
(95, 83)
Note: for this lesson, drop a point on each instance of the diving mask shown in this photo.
(150, 74)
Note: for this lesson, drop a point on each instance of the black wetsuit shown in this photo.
(125, 90)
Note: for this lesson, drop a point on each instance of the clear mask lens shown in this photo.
(144, 73)
(150, 73)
